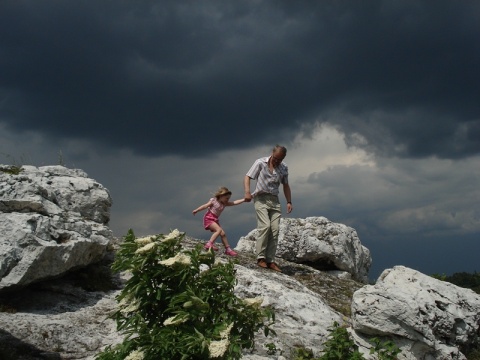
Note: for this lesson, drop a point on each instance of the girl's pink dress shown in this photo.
(213, 213)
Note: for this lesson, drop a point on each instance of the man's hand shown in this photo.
(246, 185)
(289, 208)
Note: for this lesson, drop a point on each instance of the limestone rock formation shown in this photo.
(302, 317)
(60, 317)
(52, 220)
(428, 318)
(320, 243)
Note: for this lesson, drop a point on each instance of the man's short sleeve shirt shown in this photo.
(267, 182)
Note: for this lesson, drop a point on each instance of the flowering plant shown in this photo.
(180, 304)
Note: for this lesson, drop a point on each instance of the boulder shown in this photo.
(58, 318)
(319, 243)
(427, 318)
(52, 220)
(302, 316)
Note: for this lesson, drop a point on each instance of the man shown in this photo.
(269, 172)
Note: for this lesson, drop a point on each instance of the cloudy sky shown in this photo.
(164, 101)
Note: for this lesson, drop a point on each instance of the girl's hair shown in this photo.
(222, 191)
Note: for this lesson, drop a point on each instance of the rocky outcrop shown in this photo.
(319, 243)
(53, 219)
(62, 317)
(302, 316)
(428, 318)
(58, 319)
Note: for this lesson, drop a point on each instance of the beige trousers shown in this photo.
(269, 211)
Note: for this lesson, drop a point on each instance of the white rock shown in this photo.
(320, 243)
(75, 325)
(431, 319)
(302, 316)
(52, 220)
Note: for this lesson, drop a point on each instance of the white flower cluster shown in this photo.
(172, 236)
(146, 248)
(174, 320)
(135, 355)
(129, 306)
(147, 243)
(218, 261)
(217, 348)
(145, 240)
(180, 259)
(225, 333)
(254, 302)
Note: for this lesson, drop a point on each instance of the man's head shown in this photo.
(278, 154)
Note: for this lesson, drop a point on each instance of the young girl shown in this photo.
(210, 220)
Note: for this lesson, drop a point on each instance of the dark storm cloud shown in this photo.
(400, 78)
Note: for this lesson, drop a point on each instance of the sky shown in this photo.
(164, 101)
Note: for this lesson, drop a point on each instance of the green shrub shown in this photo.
(385, 350)
(462, 279)
(473, 354)
(466, 280)
(11, 170)
(180, 304)
(437, 276)
(302, 353)
(340, 346)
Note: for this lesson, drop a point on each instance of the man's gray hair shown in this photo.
(280, 148)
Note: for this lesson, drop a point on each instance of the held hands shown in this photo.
(248, 197)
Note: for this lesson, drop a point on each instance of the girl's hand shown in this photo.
(194, 212)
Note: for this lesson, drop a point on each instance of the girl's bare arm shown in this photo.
(202, 207)
(236, 202)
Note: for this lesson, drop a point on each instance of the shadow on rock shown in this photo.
(12, 348)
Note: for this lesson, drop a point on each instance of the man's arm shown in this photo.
(288, 196)
(246, 185)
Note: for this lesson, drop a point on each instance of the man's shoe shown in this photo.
(274, 266)
(262, 263)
